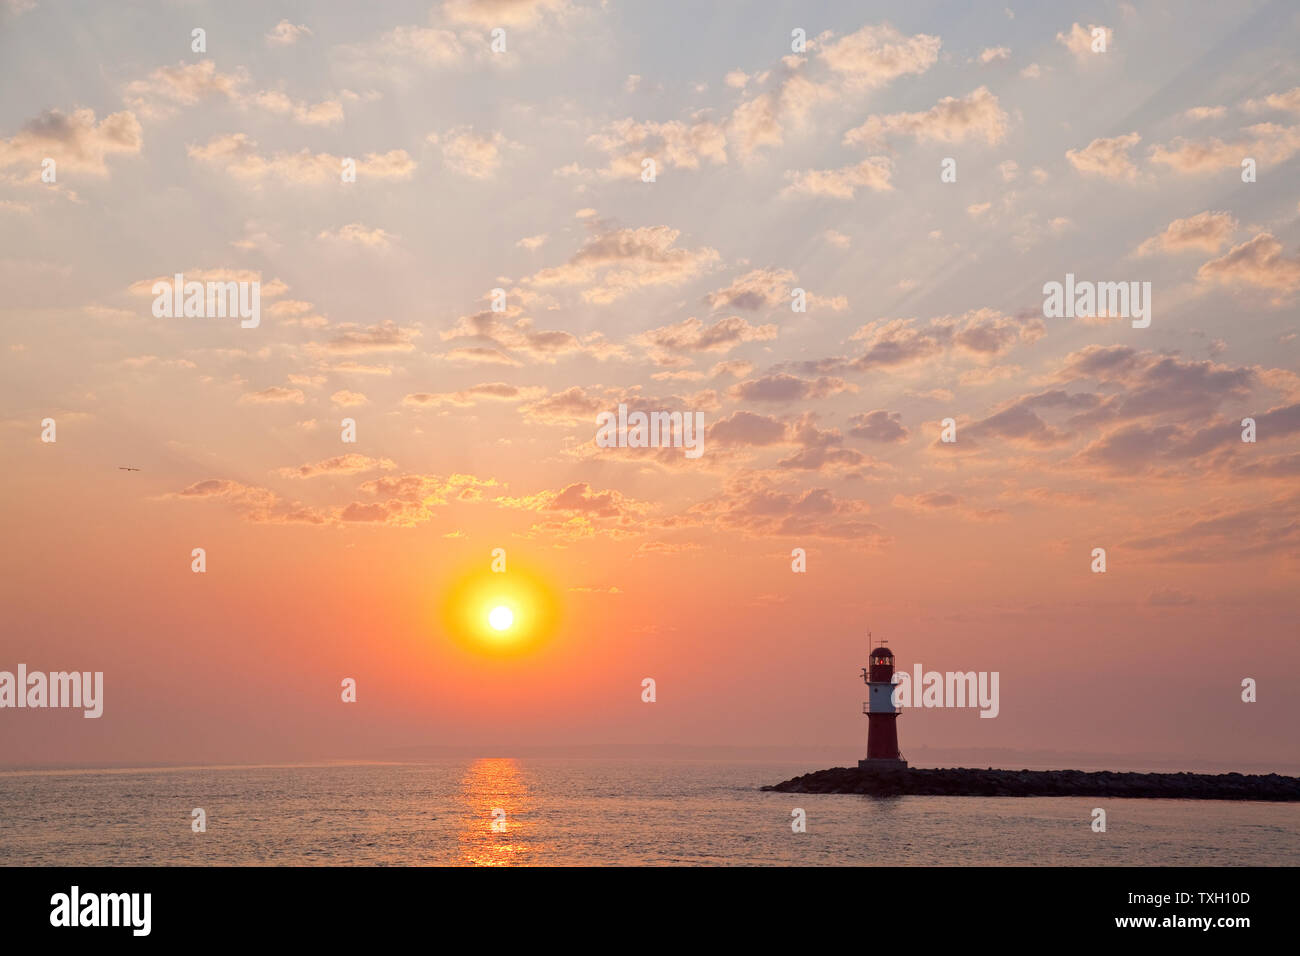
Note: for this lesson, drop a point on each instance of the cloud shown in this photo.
(1157, 420)
(989, 374)
(578, 497)
(781, 387)
(357, 234)
(879, 426)
(877, 55)
(1206, 112)
(761, 120)
(268, 288)
(873, 172)
(347, 399)
(497, 391)
(397, 52)
(238, 156)
(356, 368)
(324, 113)
(146, 361)
(75, 142)
(759, 289)
(580, 405)
(986, 333)
(169, 88)
(350, 464)
(471, 154)
(285, 33)
(1254, 531)
(934, 502)
(760, 505)
(691, 336)
(573, 404)
(819, 449)
(994, 53)
(580, 511)
(1106, 157)
(744, 428)
(385, 336)
(871, 57)
(1154, 384)
(736, 368)
(1266, 143)
(1258, 262)
(498, 336)
(274, 395)
(185, 84)
(1132, 447)
(254, 503)
(503, 13)
(1210, 450)
(1079, 41)
(479, 355)
(1288, 101)
(616, 263)
(532, 242)
(953, 119)
(672, 145)
(1019, 422)
(406, 501)
(1206, 231)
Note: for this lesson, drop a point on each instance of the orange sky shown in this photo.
(476, 428)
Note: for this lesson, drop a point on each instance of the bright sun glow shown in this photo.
(498, 613)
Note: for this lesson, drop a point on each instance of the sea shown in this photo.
(579, 812)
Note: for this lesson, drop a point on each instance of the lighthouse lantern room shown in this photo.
(882, 714)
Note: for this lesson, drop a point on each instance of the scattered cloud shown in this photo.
(1204, 232)
(1107, 157)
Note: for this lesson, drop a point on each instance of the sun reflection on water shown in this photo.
(497, 829)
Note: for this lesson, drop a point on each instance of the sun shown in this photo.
(500, 614)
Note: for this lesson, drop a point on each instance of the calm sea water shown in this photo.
(569, 812)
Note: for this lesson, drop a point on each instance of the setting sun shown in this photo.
(500, 614)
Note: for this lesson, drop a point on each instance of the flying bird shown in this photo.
(124, 468)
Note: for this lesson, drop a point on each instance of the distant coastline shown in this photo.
(958, 782)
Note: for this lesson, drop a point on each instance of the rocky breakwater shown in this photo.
(963, 782)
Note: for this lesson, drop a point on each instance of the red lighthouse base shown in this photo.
(882, 744)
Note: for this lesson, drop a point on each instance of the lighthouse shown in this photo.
(882, 715)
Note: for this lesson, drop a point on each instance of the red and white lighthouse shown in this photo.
(882, 715)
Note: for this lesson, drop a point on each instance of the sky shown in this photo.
(919, 171)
